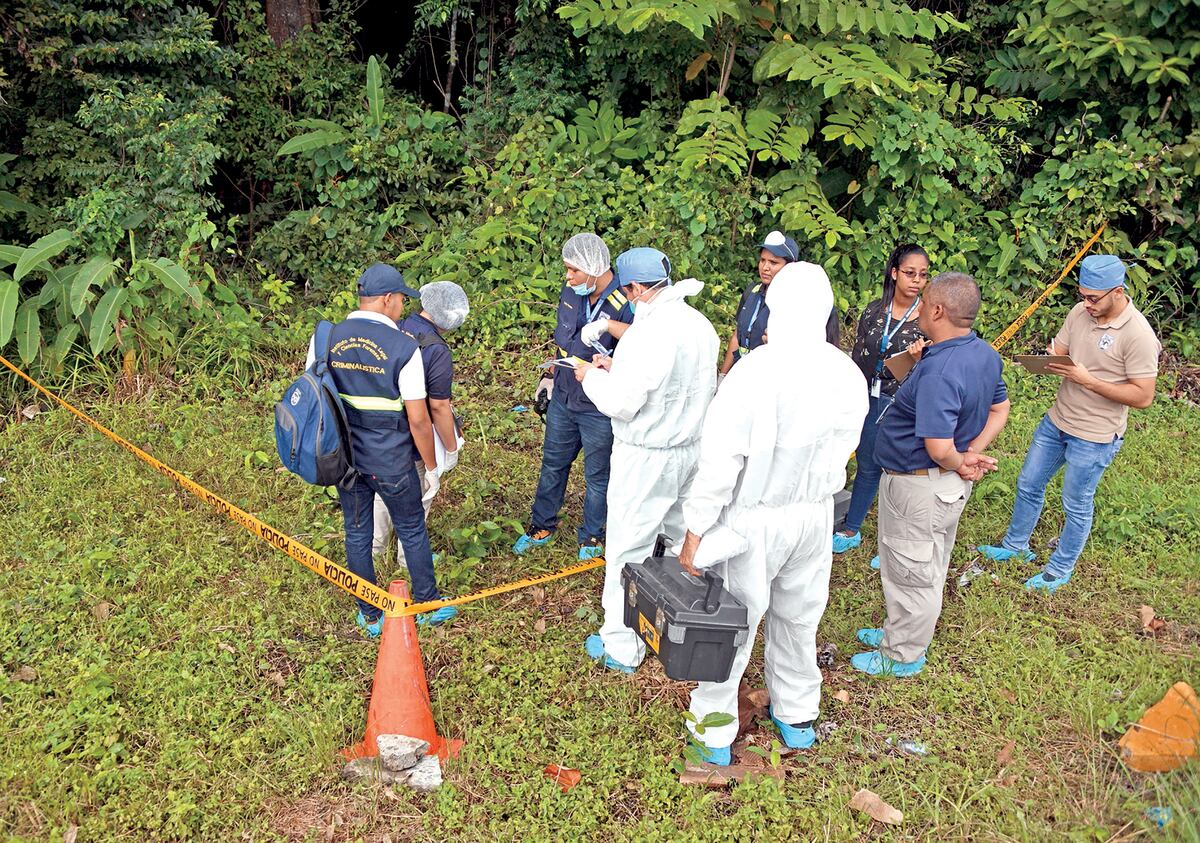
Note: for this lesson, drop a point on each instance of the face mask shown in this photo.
(582, 290)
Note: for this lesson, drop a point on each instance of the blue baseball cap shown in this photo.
(781, 246)
(643, 266)
(1101, 272)
(379, 279)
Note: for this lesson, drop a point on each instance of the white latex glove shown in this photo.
(592, 331)
(720, 377)
(448, 463)
(431, 485)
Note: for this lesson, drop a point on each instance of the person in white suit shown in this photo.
(655, 388)
(774, 449)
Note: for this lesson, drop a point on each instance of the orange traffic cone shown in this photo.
(1167, 735)
(399, 694)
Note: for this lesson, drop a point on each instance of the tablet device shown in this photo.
(1038, 363)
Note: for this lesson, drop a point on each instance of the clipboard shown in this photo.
(1037, 363)
(900, 365)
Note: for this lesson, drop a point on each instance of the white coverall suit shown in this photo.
(663, 376)
(774, 450)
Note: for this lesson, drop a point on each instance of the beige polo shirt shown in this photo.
(1115, 352)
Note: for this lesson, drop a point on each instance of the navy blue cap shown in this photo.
(781, 246)
(379, 279)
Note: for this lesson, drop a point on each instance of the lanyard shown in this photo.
(745, 341)
(888, 333)
(589, 311)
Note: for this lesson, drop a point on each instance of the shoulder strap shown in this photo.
(432, 338)
(322, 339)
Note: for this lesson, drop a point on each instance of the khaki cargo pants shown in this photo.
(918, 522)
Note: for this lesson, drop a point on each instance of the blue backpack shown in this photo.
(311, 432)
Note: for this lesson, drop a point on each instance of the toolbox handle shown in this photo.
(712, 596)
(661, 543)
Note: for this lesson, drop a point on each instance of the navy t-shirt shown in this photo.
(573, 313)
(947, 395)
(435, 356)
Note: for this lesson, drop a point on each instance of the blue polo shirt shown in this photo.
(435, 355)
(573, 313)
(947, 395)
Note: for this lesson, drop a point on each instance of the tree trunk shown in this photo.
(452, 61)
(288, 18)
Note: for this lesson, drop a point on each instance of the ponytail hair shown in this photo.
(898, 254)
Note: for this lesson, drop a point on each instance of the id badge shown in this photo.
(875, 385)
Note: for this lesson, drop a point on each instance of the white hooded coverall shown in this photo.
(663, 376)
(774, 450)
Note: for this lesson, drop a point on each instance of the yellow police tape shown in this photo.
(306, 556)
(1009, 332)
(370, 592)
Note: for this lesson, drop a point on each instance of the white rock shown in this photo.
(400, 752)
(426, 775)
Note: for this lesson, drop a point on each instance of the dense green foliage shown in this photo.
(168, 170)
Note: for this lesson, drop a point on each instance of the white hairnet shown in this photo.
(586, 252)
(800, 299)
(446, 304)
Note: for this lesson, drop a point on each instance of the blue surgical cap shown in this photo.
(643, 266)
(1101, 272)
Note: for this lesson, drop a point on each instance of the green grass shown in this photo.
(193, 682)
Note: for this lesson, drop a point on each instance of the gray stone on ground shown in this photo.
(426, 775)
(400, 752)
(369, 769)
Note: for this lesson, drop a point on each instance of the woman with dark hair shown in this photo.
(887, 326)
(750, 330)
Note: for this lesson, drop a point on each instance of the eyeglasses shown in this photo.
(1098, 299)
(910, 274)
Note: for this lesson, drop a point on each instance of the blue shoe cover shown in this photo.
(875, 663)
(526, 542)
(1003, 554)
(870, 637)
(437, 616)
(590, 551)
(794, 737)
(875, 563)
(843, 543)
(594, 647)
(1040, 582)
(371, 629)
(720, 756)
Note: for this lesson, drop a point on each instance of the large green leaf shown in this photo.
(10, 254)
(8, 310)
(173, 277)
(12, 202)
(374, 92)
(41, 251)
(310, 141)
(29, 332)
(104, 317)
(94, 272)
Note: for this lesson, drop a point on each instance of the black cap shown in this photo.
(379, 279)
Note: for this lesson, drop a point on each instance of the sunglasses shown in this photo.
(1098, 299)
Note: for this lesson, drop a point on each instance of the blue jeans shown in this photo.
(866, 471)
(566, 434)
(1085, 463)
(401, 494)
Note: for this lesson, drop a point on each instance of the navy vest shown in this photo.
(365, 359)
(572, 316)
